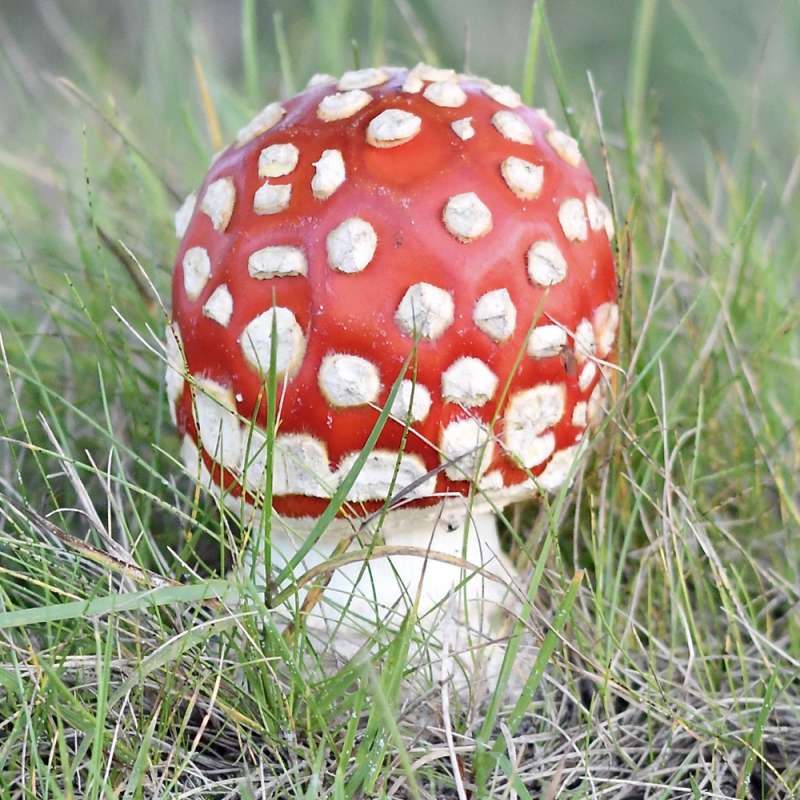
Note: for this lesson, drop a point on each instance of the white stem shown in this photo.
(363, 600)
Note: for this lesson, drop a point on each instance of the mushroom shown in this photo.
(394, 218)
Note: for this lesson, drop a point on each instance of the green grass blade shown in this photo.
(340, 494)
(532, 52)
(202, 591)
(559, 79)
(250, 49)
(638, 69)
(283, 55)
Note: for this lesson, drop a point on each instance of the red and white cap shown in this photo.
(363, 219)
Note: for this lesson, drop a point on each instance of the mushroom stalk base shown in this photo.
(462, 587)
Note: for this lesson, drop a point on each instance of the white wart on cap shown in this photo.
(342, 105)
(446, 94)
(351, 245)
(393, 127)
(425, 310)
(277, 160)
(363, 78)
(272, 198)
(267, 118)
(256, 342)
(512, 127)
(347, 380)
(218, 202)
(546, 264)
(524, 178)
(469, 382)
(196, 271)
(496, 315)
(467, 217)
(277, 261)
(329, 174)
(467, 443)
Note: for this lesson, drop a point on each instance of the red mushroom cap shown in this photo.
(396, 210)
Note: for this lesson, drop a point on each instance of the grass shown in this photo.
(657, 650)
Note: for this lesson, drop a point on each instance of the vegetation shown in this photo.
(658, 649)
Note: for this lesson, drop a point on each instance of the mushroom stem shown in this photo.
(453, 562)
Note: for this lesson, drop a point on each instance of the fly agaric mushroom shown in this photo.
(394, 212)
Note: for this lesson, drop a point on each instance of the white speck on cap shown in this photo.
(466, 217)
(594, 212)
(546, 341)
(530, 450)
(599, 216)
(504, 95)
(566, 147)
(522, 177)
(536, 408)
(572, 218)
(556, 472)
(386, 471)
(219, 306)
(512, 127)
(267, 118)
(609, 221)
(347, 380)
(587, 375)
(217, 422)
(413, 84)
(426, 72)
(495, 314)
(492, 481)
(584, 341)
(425, 309)
(176, 368)
(218, 202)
(528, 414)
(256, 342)
(195, 466)
(546, 265)
(329, 174)
(362, 78)
(463, 128)
(596, 405)
(272, 198)
(579, 414)
(605, 321)
(393, 127)
(299, 465)
(467, 442)
(318, 78)
(342, 105)
(468, 381)
(277, 160)
(277, 261)
(183, 216)
(351, 245)
(447, 94)
(412, 402)
(196, 271)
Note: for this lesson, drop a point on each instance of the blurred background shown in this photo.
(704, 58)
(699, 78)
